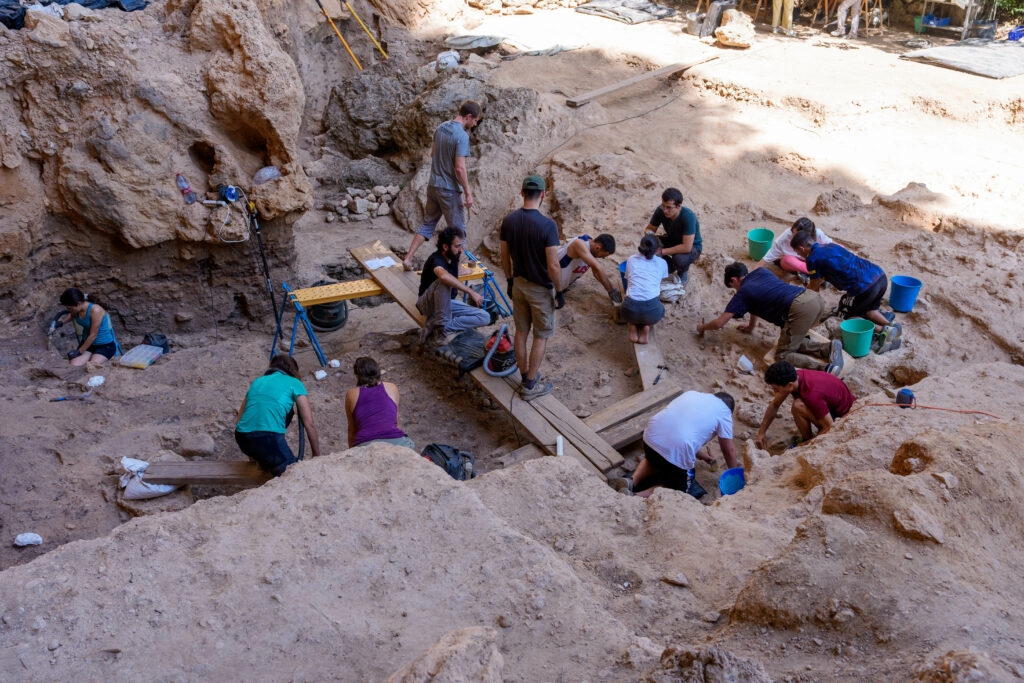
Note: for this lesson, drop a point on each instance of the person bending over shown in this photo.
(439, 284)
(818, 399)
(266, 412)
(863, 282)
(95, 334)
(681, 245)
(794, 309)
(372, 408)
(785, 257)
(579, 255)
(674, 440)
(644, 273)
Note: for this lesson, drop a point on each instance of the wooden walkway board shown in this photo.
(543, 418)
(637, 404)
(237, 473)
(663, 71)
(357, 289)
(650, 361)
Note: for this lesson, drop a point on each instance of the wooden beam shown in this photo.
(663, 71)
(402, 285)
(236, 473)
(357, 289)
(628, 408)
(650, 361)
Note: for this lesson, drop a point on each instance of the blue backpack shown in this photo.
(458, 464)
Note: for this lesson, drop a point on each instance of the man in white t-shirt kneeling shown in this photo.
(675, 438)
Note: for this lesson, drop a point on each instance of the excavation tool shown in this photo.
(353, 11)
(336, 31)
(80, 397)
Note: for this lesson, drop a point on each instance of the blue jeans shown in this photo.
(268, 449)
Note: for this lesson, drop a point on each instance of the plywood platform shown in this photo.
(357, 289)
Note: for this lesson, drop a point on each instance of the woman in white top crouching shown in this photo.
(644, 273)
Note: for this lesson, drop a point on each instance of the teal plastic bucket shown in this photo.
(903, 293)
(857, 333)
(622, 274)
(731, 481)
(759, 241)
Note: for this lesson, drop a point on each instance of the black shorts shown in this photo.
(268, 449)
(868, 300)
(667, 474)
(108, 350)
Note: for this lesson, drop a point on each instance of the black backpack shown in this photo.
(158, 340)
(458, 464)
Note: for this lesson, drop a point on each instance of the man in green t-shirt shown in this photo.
(681, 244)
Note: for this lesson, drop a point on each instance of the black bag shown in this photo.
(465, 351)
(159, 340)
(458, 464)
(12, 14)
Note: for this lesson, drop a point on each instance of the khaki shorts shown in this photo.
(533, 307)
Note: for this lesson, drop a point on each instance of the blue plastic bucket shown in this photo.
(622, 274)
(903, 293)
(731, 481)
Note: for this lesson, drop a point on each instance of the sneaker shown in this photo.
(776, 29)
(839, 33)
(890, 335)
(889, 316)
(685, 278)
(539, 389)
(835, 358)
(791, 33)
(852, 36)
(622, 485)
(804, 280)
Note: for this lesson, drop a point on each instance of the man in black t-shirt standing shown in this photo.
(681, 244)
(438, 285)
(529, 256)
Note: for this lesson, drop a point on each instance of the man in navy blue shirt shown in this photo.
(863, 281)
(794, 309)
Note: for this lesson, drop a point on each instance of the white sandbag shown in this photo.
(135, 488)
(22, 540)
(671, 291)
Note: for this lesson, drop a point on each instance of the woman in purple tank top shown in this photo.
(372, 408)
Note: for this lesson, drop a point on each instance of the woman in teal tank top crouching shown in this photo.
(265, 414)
(96, 342)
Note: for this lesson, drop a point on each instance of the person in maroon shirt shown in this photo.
(818, 398)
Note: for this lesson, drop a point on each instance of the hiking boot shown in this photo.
(890, 335)
(623, 485)
(835, 359)
(539, 389)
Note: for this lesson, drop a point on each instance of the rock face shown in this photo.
(361, 112)
(737, 29)
(97, 117)
(470, 654)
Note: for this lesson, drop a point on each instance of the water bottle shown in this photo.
(190, 196)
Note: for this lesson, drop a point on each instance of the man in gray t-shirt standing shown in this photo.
(448, 178)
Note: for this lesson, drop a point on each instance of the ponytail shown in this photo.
(72, 296)
(649, 246)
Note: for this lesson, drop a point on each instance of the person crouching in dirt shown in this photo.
(96, 342)
(863, 282)
(439, 284)
(372, 408)
(266, 411)
(644, 273)
(784, 257)
(580, 254)
(818, 398)
(681, 245)
(674, 440)
(794, 309)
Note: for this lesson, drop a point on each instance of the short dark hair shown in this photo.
(471, 108)
(285, 364)
(606, 241)
(802, 239)
(367, 372)
(734, 269)
(803, 225)
(530, 195)
(649, 246)
(780, 373)
(672, 195)
(448, 235)
(727, 399)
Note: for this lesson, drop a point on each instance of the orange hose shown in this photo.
(917, 405)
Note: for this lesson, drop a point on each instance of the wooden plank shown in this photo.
(628, 408)
(236, 473)
(357, 289)
(663, 71)
(629, 432)
(401, 284)
(650, 361)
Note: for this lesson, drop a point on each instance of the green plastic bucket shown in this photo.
(759, 241)
(917, 24)
(857, 333)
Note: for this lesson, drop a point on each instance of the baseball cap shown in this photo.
(533, 182)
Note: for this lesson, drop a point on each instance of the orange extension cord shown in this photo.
(917, 405)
